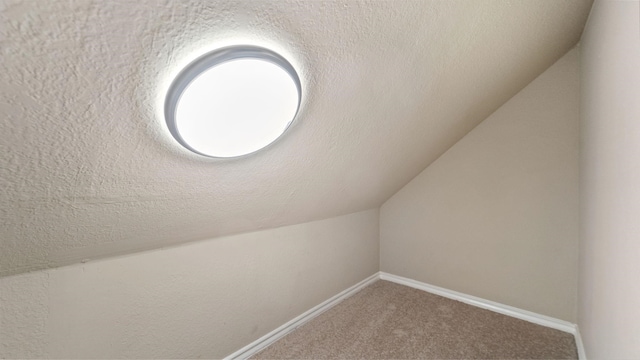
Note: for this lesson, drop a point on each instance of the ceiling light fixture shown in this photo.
(233, 101)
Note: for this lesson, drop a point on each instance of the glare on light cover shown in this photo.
(236, 107)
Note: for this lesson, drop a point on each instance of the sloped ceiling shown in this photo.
(88, 168)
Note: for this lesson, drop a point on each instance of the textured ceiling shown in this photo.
(88, 169)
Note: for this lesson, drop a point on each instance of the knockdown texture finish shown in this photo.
(89, 170)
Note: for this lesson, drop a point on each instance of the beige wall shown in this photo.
(609, 296)
(204, 299)
(496, 216)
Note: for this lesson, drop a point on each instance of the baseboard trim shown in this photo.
(288, 327)
(483, 303)
(582, 355)
(517, 313)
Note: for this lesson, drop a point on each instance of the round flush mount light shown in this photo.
(233, 101)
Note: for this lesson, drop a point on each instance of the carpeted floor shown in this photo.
(391, 321)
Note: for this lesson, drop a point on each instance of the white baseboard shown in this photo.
(283, 330)
(521, 314)
(582, 355)
(485, 304)
(493, 306)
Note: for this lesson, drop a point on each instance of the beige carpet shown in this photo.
(391, 321)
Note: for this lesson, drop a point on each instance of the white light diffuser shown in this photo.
(233, 101)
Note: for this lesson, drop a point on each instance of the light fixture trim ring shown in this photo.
(215, 58)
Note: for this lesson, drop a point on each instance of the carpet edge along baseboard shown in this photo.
(539, 319)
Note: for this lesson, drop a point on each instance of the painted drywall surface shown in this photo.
(609, 286)
(88, 169)
(496, 216)
(200, 300)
